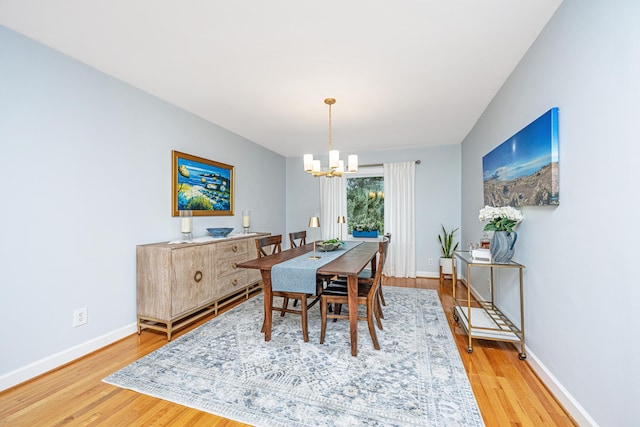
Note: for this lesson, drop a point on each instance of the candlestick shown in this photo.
(186, 225)
(246, 221)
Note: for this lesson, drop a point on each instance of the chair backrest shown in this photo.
(298, 238)
(386, 247)
(269, 245)
(382, 254)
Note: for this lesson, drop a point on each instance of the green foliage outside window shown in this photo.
(365, 204)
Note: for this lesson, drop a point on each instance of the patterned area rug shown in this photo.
(226, 368)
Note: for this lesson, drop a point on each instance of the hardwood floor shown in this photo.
(507, 390)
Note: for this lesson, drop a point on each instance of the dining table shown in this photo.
(349, 265)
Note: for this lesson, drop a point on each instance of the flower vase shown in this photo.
(502, 246)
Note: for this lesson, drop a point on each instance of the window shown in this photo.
(365, 201)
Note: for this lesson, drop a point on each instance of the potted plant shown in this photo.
(369, 229)
(448, 248)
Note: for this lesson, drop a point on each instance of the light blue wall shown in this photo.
(437, 195)
(581, 294)
(86, 163)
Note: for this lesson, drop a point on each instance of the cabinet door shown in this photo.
(192, 271)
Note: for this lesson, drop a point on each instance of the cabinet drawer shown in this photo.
(227, 266)
(231, 283)
(231, 249)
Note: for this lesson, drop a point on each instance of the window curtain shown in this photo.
(399, 218)
(333, 203)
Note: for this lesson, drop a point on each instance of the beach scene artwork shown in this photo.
(523, 170)
(202, 186)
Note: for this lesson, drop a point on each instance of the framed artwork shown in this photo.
(202, 186)
(523, 170)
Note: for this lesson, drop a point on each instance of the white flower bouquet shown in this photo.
(500, 219)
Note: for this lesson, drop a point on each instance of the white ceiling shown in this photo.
(404, 73)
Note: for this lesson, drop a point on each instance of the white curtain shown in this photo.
(399, 218)
(333, 203)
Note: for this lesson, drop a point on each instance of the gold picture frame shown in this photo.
(202, 186)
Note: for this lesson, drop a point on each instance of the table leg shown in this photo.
(268, 304)
(352, 288)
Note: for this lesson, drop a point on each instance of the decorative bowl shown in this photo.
(219, 232)
(327, 247)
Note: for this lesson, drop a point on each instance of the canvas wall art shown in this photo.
(204, 187)
(523, 170)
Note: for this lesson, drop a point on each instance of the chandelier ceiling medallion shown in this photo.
(336, 166)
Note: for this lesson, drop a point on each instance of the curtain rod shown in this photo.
(380, 164)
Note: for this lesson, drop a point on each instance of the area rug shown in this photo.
(225, 367)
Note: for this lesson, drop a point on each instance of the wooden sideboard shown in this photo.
(177, 284)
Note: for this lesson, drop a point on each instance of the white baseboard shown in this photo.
(39, 367)
(574, 409)
(428, 274)
(580, 416)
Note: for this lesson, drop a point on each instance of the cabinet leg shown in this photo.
(469, 350)
(522, 356)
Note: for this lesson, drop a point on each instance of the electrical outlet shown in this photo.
(430, 261)
(80, 317)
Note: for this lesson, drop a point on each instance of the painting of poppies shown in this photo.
(202, 186)
(523, 170)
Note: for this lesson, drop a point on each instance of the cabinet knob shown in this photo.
(234, 265)
(234, 282)
(234, 248)
(198, 276)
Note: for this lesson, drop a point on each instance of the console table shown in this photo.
(482, 319)
(178, 284)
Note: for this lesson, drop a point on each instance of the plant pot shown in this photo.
(447, 265)
(373, 233)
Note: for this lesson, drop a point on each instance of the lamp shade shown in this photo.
(314, 222)
(341, 219)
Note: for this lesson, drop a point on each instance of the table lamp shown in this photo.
(314, 222)
(341, 220)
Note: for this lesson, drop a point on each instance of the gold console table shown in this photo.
(482, 319)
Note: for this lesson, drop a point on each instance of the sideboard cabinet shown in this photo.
(177, 284)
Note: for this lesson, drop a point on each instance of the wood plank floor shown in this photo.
(507, 390)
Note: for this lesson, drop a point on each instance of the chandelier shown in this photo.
(336, 166)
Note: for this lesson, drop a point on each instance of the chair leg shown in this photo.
(381, 296)
(378, 303)
(337, 308)
(305, 326)
(323, 327)
(377, 310)
(372, 329)
(285, 304)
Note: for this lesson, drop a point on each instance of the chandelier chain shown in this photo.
(330, 135)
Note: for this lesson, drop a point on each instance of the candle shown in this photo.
(185, 224)
(246, 221)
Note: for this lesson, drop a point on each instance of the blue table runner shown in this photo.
(299, 274)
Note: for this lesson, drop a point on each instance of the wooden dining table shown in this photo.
(350, 264)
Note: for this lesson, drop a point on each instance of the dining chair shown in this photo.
(367, 296)
(298, 238)
(273, 244)
(365, 276)
(380, 295)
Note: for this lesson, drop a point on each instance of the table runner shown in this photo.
(299, 274)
